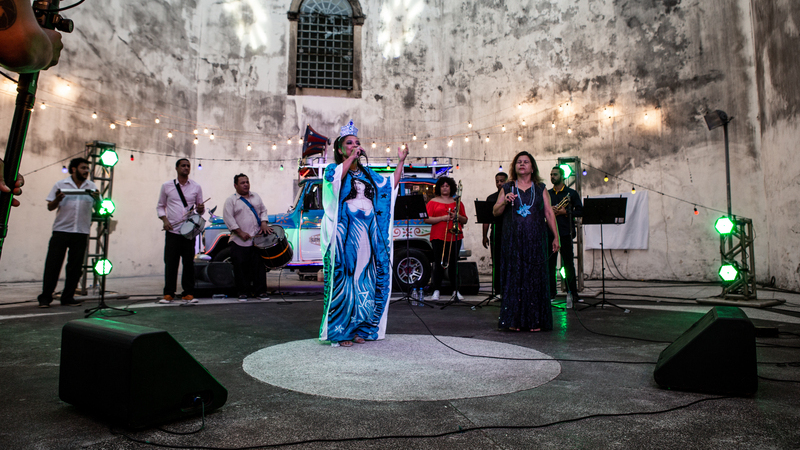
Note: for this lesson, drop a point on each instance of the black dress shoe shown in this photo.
(71, 303)
(44, 305)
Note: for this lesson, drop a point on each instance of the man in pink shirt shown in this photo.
(178, 199)
(246, 216)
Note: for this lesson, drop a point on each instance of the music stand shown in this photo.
(604, 211)
(408, 208)
(484, 214)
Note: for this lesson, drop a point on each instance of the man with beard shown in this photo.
(70, 232)
(566, 229)
(493, 239)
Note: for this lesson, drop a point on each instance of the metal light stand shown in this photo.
(103, 229)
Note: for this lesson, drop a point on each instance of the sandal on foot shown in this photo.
(346, 343)
(359, 340)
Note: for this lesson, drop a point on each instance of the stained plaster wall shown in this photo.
(466, 62)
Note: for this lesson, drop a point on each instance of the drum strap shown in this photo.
(258, 219)
(180, 192)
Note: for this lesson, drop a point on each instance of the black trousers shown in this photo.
(248, 270)
(176, 249)
(567, 261)
(452, 268)
(60, 242)
(496, 246)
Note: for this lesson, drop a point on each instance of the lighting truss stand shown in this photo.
(599, 211)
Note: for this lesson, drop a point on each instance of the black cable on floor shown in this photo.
(460, 430)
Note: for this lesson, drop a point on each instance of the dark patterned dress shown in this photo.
(526, 301)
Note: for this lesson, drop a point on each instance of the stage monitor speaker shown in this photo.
(469, 282)
(716, 355)
(132, 375)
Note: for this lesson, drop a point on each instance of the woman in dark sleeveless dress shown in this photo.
(524, 205)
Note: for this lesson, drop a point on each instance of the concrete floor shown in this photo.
(594, 405)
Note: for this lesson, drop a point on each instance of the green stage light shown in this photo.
(103, 267)
(724, 225)
(106, 208)
(109, 158)
(563, 273)
(567, 170)
(728, 272)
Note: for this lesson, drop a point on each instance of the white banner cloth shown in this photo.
(632, 235)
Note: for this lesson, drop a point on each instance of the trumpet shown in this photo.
(564, 202)
(454, 230)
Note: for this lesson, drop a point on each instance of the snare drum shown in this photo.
(274, 248)
(193, 226)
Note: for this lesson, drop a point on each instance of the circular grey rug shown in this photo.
(401, 367)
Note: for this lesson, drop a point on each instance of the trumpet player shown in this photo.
(566, 206)
(447, 215)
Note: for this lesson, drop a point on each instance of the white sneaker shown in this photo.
(459, 296)
(435, 295)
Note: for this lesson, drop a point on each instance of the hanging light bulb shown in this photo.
(403, 146)
(64, 169)
(131, 156)
(450, 143)
(388, 149)
(43, 106)
(94, 115)
(645, 118)
(696, 212)
(195, 131)
(374, 144)
(158, 120)
(205, 130)
(128, 123)
(195, 141)
(466, 138)
(503, 128)
(500, 169)
(469, 125)
(457, 166)
(249, 147)
(169, 134)
(487, 138)
(199, 166)
(112, 125)
(569, 130)
(425, 145)
(524, 123)
(633, 189)
(519, 106)
(584, 172)
(289, 141)
(300, 141)
(553, 124)
(605, 178)
(519, 137)
(414, 138)
(434, 162)
(212, 136)
(281, 167)
(560, 108)
(274, 146)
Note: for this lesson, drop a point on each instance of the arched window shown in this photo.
(325, 53)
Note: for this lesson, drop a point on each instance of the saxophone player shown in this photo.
(566, 206)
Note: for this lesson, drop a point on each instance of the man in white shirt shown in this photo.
(70, 231)
(246, 216)
(177, 200)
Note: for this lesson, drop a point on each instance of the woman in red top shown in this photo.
(441, 215)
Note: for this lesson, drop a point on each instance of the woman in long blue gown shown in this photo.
(524, 205)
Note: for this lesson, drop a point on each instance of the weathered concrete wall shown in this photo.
(777, 41)
(223, 65)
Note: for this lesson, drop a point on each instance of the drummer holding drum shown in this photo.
(246, 217)
(180, 208)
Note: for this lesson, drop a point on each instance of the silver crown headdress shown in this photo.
(349, 130)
